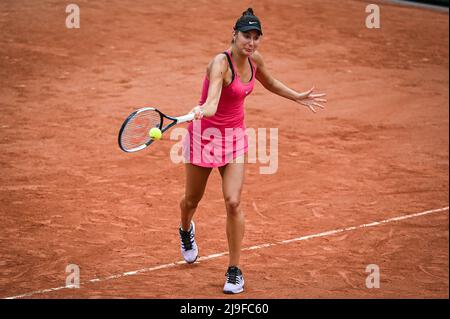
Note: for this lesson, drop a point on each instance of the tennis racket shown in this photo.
(133, 135)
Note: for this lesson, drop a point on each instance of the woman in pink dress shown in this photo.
(217, 137)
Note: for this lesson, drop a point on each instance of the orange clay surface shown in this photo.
(379, 150)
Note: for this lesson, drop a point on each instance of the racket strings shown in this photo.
(135, 133)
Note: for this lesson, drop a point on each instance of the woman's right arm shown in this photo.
(216, 74)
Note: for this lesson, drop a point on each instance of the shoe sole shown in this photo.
(191, 262)
(233, 292)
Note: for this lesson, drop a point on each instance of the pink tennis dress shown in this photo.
(217, 140)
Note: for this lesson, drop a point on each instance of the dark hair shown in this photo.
(248, 21)
(247, 12)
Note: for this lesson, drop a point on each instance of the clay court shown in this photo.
(378, 151)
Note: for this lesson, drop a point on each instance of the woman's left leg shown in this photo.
(232, 183)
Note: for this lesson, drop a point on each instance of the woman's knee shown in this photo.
(232, 203)
(189, 202)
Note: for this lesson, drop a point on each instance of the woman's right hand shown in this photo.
(198, 112)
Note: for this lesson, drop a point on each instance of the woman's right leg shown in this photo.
(196, 178)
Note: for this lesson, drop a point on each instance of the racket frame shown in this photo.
(175, 120)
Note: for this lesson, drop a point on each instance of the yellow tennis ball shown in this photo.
(155, 133)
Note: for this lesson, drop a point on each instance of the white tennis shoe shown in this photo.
(189, 248)
(234, 283)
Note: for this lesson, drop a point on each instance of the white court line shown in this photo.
(324, 234)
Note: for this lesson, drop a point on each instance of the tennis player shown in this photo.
(229, 79)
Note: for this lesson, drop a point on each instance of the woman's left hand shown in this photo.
(310, 99)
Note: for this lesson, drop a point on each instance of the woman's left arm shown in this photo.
(308, 98)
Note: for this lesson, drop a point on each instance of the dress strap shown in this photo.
(230, 63)
(252, 68)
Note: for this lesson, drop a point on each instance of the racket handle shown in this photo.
(185, 118)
